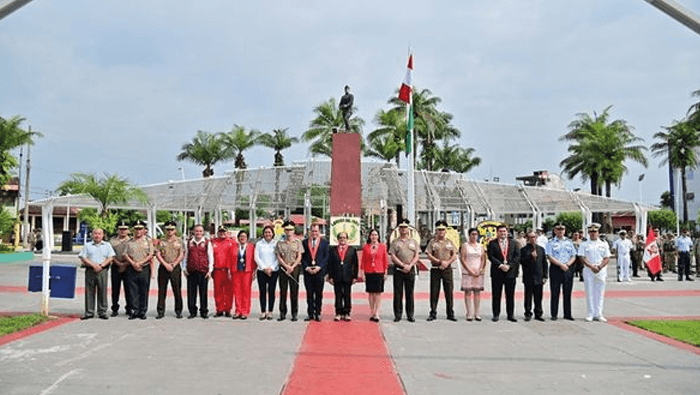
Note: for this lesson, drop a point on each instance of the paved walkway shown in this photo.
(221, 356)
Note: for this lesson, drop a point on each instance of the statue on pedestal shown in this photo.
(346, 103)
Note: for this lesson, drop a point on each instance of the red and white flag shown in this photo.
(652, 259)
(407, 85)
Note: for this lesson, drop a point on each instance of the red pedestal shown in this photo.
(346, 176)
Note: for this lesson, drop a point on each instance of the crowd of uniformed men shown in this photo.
(234, 263)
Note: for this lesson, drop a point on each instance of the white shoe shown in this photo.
(589, 319)
(602, 319)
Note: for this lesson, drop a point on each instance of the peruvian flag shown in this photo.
(651, 254)
(407, 85)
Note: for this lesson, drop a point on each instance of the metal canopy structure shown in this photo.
(279, 191)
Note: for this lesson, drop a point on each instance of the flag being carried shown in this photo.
(652, 259)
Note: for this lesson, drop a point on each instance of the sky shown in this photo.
(120, 86)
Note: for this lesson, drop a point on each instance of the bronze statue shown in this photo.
(346, 103)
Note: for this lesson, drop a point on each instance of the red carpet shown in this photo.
(343, 358)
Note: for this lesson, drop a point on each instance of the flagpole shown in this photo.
(411, 196)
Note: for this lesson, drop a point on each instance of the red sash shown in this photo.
(313, 251)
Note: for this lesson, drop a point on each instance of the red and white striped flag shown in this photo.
(407, 85)
(651, 258)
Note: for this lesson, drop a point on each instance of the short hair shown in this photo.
(379, 237)
(502, 226)
(242, 231)
(266, 227)
(198, 226)
(473, 230)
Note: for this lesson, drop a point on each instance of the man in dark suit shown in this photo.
(504, 257)
(533, 259)
(314, 261)
(342, 273)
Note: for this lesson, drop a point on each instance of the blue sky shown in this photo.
(119, 86)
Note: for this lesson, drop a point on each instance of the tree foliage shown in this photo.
(320, 132)
(108, 190)
(206, 149)
(237, 141)
(662, 219)
(12, 136)
(278, 140)
(572, 220)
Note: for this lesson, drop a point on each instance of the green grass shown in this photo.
(687, 331)
(17, 323)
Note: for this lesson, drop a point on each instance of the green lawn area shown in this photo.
(687, 331)
(17, 323)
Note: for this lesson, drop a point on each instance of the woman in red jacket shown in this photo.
(242, 269)
(374, 270)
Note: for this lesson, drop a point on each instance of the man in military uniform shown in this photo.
(96, 257)
(119, 268)
(170, 253)
(441, 253)
(623, 248)
(561, 253)
(289, 253)
(139, 254)
(638, 253)
(595, 255)
(669, 256)
(405, 253)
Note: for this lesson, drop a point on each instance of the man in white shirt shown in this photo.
(623, 247)
(96, 257)
(595, 255)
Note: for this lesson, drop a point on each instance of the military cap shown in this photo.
(138, 224)
(404, 222)
(441, 225)
(288, 225)
(594, 226)
(222, 229)
(169, 225)
(122, 224)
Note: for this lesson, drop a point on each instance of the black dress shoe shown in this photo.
(430, 318)
(227, 314)
(219, 314)
(159, 316)
(569, 318)
(178, 315)
(309, 318)
(539, 319)
(143, 316)
(397, 319)
(189, 317)
(281, 318)
(512, 319)
(451, 318)
(527, 318)
(554, 318)
(114, 313)
(317, 318)
(104, 317)
(688, 278)
(86, 317)
(494, 319)
(133, 316)
(294, 318)
(205, 316)
(659, 279)
(411, 319)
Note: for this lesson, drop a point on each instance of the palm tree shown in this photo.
(383, 147)
(599, 150)
(694, 110)
(206, 149)
(328, 117)
(391, 132)
(108, 190)
(278, 141)
(455, 158)
(430, 124)
(678, 147)
(11, 137)
(237, 141)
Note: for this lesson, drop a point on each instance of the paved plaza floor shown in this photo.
(223, 356)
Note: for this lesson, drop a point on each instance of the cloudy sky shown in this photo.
(120, 86)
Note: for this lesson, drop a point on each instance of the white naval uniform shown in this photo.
(623, 248)
(595, 251)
